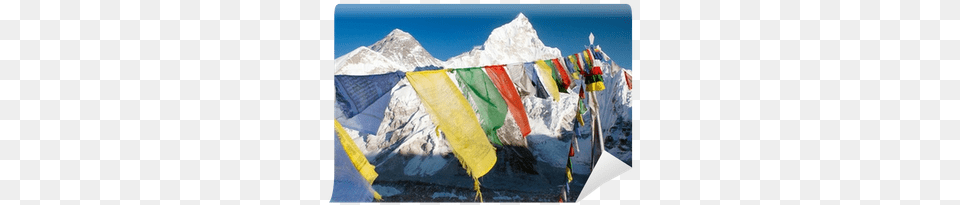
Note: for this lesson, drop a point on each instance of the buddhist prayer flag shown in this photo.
(355, 174)
(570, 164)
(581, 108)
(582, 63)
(572, 59)
(563, 73)
(452, 114)
(520, 79)
(594, 79)
(356, 156)
(501, 79)
(594, 82)
(629, 79)
(348, 184)
(531, 70)
(571, 68)
(556, 76)
(581, 93)
(546, 76)
(599, 55)
(577, 60)
(356, 93)
(588, 59)
(490, 107)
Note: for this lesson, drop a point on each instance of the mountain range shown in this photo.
(404, 145)
(513, 42)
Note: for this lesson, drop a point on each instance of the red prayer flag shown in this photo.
(500, 79)
(596, 71)
(629, 79)
(583, 68)
(563, 71)
(581, 92)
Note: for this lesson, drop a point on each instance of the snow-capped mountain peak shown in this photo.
(520, 16)
(518, 32)
(514, 42)
(396, 51)
(405, 50)
(393, 40)
(363, 61)
(521, 21)
(397, 31)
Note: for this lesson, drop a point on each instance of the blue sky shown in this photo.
(448, 30)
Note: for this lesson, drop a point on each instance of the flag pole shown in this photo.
(593, 140)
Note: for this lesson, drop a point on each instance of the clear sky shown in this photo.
(448, 30)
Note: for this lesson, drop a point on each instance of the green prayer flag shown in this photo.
(490, 107)
(582, 109)
(556, 76)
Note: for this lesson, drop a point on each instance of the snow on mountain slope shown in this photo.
(405, 50)
(363, 61)
(513, 42)
(549, 122)
(396, 51)
(406, 141)
(616, 113)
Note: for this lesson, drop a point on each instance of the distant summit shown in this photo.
(405, 50)
(363, 61)
(396, 51)
(513, 42)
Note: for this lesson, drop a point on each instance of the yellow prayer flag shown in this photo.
(546, 76)
(454, 116)
(356, 156)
